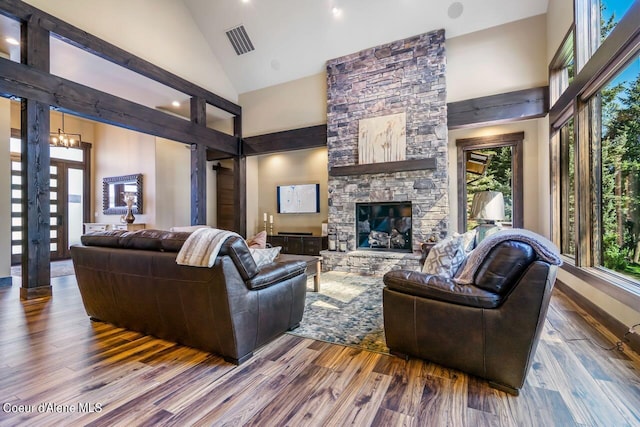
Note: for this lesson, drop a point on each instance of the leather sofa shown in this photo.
(489, 328)
(131, 279)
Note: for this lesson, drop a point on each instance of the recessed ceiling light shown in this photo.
(175, 103)
(336, 12)
(12, 41)
(246, 1)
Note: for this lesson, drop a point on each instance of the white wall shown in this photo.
(160, 31)
(173, 184)
(254, 220)
(533, 173)
(295, 104)
(5, 189)
(502, 59)
(559, 19)
(295, 167)
(118, 151)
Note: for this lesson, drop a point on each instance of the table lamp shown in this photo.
(487, 208)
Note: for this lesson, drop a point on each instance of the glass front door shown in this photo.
(67, 196)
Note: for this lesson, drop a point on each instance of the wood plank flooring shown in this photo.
(59, 368)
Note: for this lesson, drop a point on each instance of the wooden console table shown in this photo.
(299, 244)
(90, 227)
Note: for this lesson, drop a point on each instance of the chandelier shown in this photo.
(64, 139)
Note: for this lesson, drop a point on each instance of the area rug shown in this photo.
(58, 269)
(347, 311)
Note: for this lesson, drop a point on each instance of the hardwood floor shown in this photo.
(99, 375)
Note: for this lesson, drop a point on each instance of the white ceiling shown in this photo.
(295, 38)
(292, 39)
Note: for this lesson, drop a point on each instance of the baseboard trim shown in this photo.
(615, 326)
(6, 281)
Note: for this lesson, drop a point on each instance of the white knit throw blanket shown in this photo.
(544, 248)
(202, 246)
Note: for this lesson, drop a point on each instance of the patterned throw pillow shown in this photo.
(259, 241)
(445, 257)
(264, 256)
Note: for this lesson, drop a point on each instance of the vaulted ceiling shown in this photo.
(294, 38)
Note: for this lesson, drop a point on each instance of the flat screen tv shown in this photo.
(299, 198)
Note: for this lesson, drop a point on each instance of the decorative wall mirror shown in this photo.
(490, 164)
(113, 194)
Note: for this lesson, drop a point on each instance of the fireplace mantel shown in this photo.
(388, 167)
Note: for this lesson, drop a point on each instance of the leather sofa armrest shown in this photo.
(276, 272)
(435, 287)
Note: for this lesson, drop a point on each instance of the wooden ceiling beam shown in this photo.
(83, 40)
(27, 82)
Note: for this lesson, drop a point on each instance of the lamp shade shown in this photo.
(488, 206)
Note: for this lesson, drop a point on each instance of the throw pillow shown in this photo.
(469, 240)
(259, 241)
(264, 256)
(445, 257)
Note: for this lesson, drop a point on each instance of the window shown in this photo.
(491, 163)
(568, 189)
(562, 68)
(618, 170)
(610, 13)
(595, 143)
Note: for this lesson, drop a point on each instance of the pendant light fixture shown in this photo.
(64, 139)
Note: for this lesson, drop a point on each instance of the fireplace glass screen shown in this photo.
(384, 226)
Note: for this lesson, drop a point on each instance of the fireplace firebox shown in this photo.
(384, 226)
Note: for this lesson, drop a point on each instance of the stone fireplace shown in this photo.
(404, 77)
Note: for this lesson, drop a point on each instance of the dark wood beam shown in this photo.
(28, 82)
(198, 166)
(296, 139)
(501, 108)
(213, 155)
(240, 181)
(81, 39)
(388, 167)
(35, 175)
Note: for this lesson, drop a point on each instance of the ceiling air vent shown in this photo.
(240, 40)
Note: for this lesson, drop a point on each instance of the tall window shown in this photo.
(619, 170)
(568, 190)
(595, 141)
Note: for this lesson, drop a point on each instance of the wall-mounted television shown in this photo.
(299, 198)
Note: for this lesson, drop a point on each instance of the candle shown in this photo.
(271, 219)
(265, 217)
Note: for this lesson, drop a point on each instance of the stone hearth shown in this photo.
(369, 262)
(406, 76)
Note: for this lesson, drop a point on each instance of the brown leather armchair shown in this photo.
(489, 328)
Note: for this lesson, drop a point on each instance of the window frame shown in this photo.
(596, 64)
(514, 140)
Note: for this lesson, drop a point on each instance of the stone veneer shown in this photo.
(403, 76)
